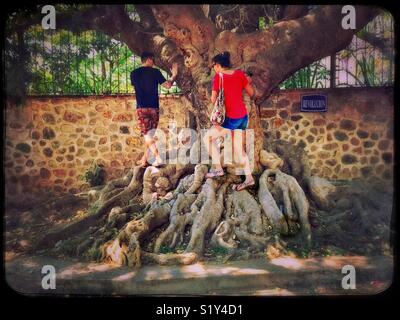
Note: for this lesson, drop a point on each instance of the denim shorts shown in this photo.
(233, 124)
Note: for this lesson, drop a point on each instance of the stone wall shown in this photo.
(353, 139)
(52, 141)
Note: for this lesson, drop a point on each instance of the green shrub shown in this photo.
(166, 249)
(95, 175)
(219, 251)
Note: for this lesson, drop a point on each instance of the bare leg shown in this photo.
(150, 146)
(210, 140)
(148, 121)
(142, 162)
(242, 158)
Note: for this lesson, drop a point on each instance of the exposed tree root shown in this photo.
(153, 189)
(270, 207)
(40, 212)
(126, 249)
(224, 236)
(295, 160)
(233, 220)
(133, 188)
(361, 212)
(291, 195)
(321, 191)
(270, 160)
(208, 217)
(182, 213)
(179, 218)
(199, 174)
(249, 229)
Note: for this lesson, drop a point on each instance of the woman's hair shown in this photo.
(223, 59)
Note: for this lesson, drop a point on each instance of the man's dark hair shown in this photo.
(146, 55)
(223, 59)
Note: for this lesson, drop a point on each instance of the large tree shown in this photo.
(191, 35)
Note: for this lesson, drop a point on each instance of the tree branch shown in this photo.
(302, 41)
(184, 24)
(147, 19)
(245, 18)
(165, 50)
(193, 34)
(294, 12)
(381, 44)
(274, 54)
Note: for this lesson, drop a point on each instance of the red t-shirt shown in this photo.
(233, 87)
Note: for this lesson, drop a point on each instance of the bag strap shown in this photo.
(221, 81)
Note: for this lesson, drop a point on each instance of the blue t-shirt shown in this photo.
(145, 81)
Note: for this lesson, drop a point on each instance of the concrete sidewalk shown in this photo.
(280, 276)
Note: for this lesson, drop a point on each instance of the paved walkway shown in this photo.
(281, 276)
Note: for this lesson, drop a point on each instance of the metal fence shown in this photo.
(367, 61)
(91, 63)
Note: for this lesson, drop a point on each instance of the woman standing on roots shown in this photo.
(236, 117)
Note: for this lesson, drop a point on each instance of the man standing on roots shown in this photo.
(145, 80)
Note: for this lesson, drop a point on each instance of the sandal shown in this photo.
(215, 173)
(243, 185)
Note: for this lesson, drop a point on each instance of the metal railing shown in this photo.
(367, 61)
(91, 63)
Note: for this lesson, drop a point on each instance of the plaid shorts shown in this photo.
(147, 119)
